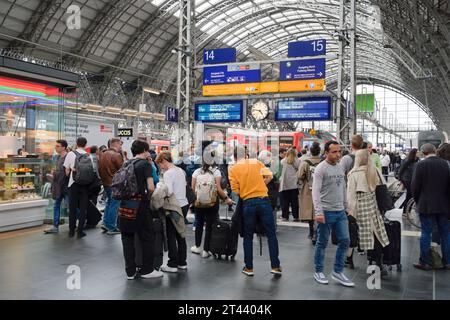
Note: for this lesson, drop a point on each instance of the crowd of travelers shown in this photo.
(148, 197)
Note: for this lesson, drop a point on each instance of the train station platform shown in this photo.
(34, 266)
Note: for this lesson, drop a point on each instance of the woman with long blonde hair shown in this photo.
(289, 185)
(362, 182)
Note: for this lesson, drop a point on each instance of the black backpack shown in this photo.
(124, 184)
(85, 172)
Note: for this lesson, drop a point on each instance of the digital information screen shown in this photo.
(303, 109)
(245, 73)
(220, 111)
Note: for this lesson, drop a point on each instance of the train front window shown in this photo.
(286, 141)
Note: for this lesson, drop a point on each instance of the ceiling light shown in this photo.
(151, 90)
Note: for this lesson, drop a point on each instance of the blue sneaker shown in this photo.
(342, 279)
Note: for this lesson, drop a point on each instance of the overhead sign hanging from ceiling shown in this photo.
(239, 73)
(303, 109)
(302, 69)
(307, 48)
(221, 55)
(220, 111)
(171, 114)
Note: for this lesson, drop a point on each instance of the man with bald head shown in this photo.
(430, 188)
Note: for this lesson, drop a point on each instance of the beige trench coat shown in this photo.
(305, 196)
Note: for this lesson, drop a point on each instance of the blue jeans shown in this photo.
(339, 222)
(262, 208)
(57, 208)
(111, 209)
(426, 221)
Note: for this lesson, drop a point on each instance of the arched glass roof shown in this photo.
(399, 42)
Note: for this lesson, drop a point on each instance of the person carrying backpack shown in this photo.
(133, 185)
(82, 168)
(207, 188)
(306, 177)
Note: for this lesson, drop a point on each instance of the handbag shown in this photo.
(190, 194)
(353, 230)
(384, 199)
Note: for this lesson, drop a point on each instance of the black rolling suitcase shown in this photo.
(158, 247)
(93, 216)
(391, 254)
(224, 239)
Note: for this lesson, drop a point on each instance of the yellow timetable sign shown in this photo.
(264, 87)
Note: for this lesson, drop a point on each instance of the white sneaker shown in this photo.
(320, 278)
(206, 254)
(153, 274)
(342, 279)
(169, 269)
(132, 277)
(196, 250)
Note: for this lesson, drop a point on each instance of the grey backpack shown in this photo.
(124, 184)
(85, 169)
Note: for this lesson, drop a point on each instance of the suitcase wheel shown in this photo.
(390, 268)
(232, 257)
(226, 258)
(399, 267)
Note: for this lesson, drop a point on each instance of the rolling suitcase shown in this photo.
(158, 245)
(93, 216)
(391, 254)
(224, 239)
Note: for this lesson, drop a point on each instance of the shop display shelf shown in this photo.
(23, 189)
(15, 175)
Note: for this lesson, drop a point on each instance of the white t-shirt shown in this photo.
(69, 163)
(215, 171)
(175, 180)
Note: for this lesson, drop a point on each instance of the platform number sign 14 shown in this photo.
(209, 55)
(219, 55)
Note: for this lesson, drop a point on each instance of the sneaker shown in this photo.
(206, 254)
(113, 232)
(276, 271)
(51, 230)
(183, 267)
(342, 279)
(81, 235)
(132, 277)
(320, 278)
(169, 269)
(423, 266)
(153, 274)
(196, 250)
(104, 228)
(248, 271)
(71, 233)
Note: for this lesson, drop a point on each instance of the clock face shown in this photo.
(260, 110)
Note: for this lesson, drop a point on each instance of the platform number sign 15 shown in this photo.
(318, 46)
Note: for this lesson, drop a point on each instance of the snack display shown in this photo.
(21, 178)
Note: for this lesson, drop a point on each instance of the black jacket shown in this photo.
(407, 170)
(430, 186)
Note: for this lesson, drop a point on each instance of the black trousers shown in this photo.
(385, 172)
(289, 199)
(79, 197)
(145, 236)
(208, 215)
(176, 244)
